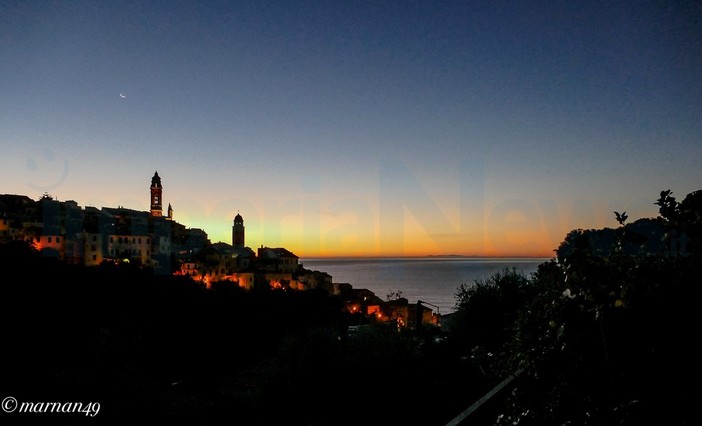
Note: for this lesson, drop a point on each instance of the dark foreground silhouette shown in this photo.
(605, 334)
(606, 331)
(165, 348)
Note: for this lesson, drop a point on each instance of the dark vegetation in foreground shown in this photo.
(153, 348)
(606, 333)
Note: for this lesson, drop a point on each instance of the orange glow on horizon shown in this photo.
(416, 222)
(506, 229)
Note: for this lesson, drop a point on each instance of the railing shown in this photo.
(484, 399)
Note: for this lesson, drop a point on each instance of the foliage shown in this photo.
(668, 206)
(394, 295)
(486, 313)
(605, 328)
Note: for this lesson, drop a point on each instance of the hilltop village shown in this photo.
(89, 236)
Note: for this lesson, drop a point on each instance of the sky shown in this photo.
(357, 128)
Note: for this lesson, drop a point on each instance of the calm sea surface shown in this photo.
(433, 280)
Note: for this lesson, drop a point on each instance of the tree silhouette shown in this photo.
(621, 218)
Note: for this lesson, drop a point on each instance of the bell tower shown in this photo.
(156, 196)
(238, 231)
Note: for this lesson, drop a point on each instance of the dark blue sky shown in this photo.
(305, 115)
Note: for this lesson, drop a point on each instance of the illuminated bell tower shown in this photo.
(238, 232)
(156, 193)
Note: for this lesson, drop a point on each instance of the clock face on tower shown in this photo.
(156, 199)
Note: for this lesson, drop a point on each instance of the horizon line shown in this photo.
(428, 256)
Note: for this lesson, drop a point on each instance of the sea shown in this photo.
(433, 280)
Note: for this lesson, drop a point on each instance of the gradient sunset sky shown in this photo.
(357, 127)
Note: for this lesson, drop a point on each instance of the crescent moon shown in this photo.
(122, 96)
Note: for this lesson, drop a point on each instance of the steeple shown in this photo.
(156, 180)
(156, 196)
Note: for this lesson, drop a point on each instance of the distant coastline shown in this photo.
(475, 256)
(454, 257)
(420, 257)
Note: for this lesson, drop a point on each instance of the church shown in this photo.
(212, 262)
